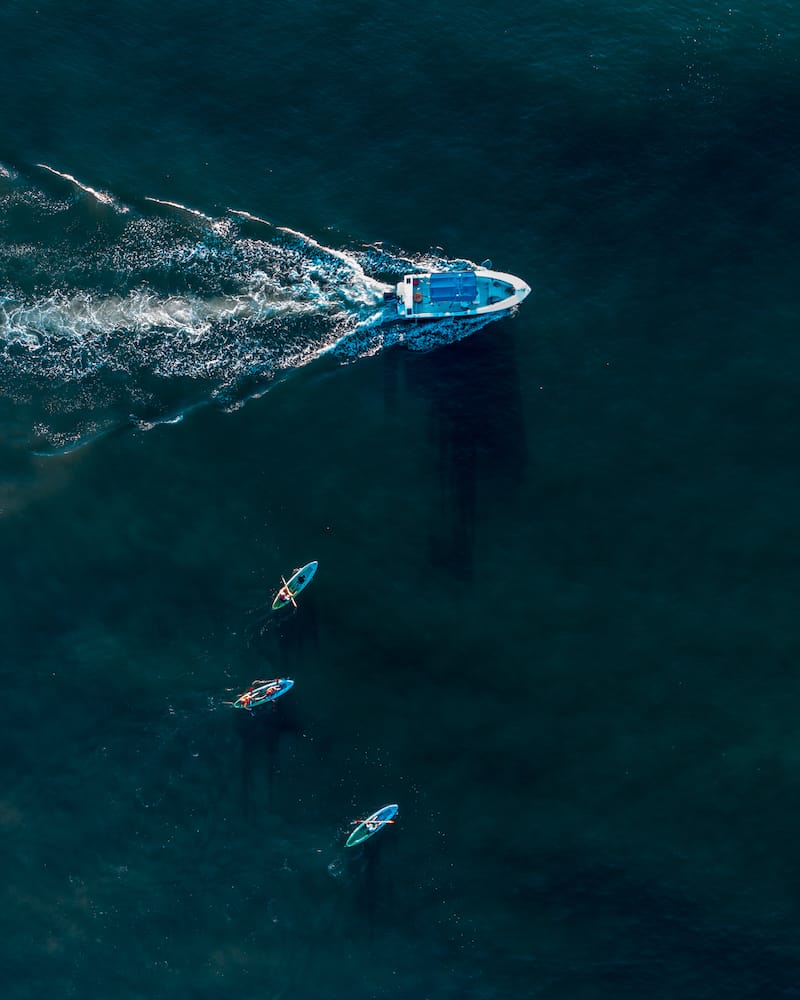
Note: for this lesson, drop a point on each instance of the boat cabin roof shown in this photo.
(452, 286)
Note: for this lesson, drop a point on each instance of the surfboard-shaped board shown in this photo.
(369, 827)
(262, 692)
(298, 581)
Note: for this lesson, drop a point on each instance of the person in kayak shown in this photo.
(265, 688)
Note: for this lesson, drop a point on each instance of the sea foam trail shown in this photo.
(149, 311)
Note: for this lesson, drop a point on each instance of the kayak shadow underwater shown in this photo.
(283, 635)
(368, 870)
(262, 734)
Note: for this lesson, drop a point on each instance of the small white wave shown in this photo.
(252, 218)
(348, 258)
(149, 425)
(217, 226)
(183, 208)
(102, 196)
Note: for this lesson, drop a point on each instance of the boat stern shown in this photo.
(405, 296)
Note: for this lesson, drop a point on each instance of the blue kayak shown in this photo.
(262, 692)
(369, 827)
(298, 581)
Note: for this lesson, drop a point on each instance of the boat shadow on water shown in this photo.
(477, 426)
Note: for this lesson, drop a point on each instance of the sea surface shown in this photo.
(556, 612)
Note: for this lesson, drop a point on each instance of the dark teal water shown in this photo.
(555, 615)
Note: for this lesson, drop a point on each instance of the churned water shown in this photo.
(555, 612)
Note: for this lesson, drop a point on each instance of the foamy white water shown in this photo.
(227, 303)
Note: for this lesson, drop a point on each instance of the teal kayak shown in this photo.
(262, 692)
(369, 827)
(298, 581)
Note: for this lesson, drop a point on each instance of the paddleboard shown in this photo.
(261, 692)
(298, 581)
(370, 826)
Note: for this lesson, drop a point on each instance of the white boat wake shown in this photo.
(112, 313)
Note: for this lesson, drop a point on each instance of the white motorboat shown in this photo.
(443, 294)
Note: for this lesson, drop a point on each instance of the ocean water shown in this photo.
(555, 617)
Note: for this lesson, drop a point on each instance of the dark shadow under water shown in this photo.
(667, 938)
(262, 734)
(368, 871)
(477, 424)
(278, 640)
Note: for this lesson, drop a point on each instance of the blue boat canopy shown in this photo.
(454, 286)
